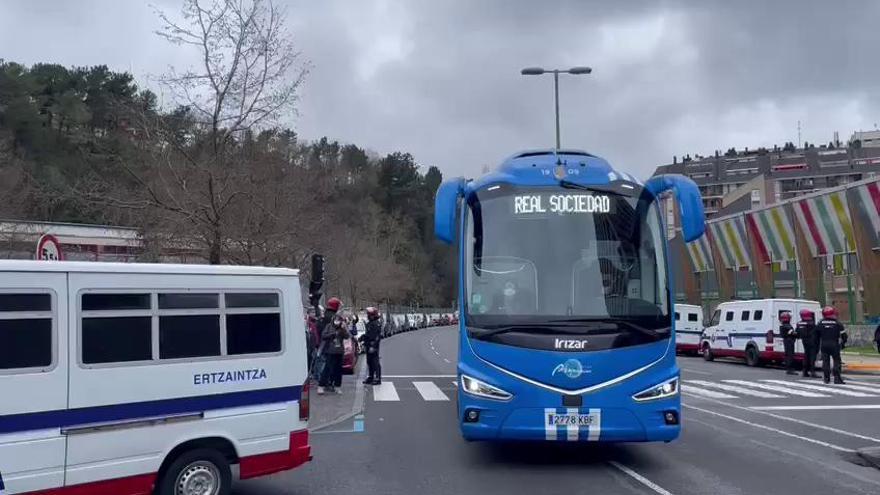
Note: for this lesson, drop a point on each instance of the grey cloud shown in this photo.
(441, 78)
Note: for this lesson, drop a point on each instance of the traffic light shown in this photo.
(317, 283)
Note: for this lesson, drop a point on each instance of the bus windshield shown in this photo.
(565, 257)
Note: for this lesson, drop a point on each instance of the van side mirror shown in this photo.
(446, 208)
(693, 219)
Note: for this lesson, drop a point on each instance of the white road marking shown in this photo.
(798, 421)
(777, 388)
(429, 391)
(817, 408)
(705, 393)
(863, 388)
(768, 428)
(695, 371)
(385, 392)
(641, 479)
(446, 360)
(734, 388)
(821, 388)
(419, 376)
(455, 383)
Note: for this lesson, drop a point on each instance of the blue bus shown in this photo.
(566, 327)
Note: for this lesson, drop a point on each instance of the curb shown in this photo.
(357, 407)
(871, 455)
(862, 369)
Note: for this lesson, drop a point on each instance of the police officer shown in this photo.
(806, 331)
(371, 338)
(789, 337)
(831, 335)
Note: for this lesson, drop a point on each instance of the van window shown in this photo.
(744, 316)
(253, 333)
(693, 317)
(26, 322)
(119, 328)
(716, 318)
(189, 336)
(759, 315)
(677, 316)
(117, 339)
(728, 316)
(115, 302)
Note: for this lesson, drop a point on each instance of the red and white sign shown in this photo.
(49, 249)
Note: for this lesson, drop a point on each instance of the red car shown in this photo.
(349, 357)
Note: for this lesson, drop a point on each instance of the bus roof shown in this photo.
(538, 168)
(145, 268)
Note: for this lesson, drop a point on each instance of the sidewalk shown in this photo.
(860, 363)
(330, 409)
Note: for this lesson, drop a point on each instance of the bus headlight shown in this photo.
(669, 388)
(482, 389)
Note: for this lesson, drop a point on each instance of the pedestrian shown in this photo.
(877, 338)
(372, 337)
(806, 331)
(789, 338)
(334, 336)
(832, 336)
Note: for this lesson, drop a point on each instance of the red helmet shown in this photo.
(829, 312)
(373, 313)
(806, 314)
(333, 304)
(785, 317)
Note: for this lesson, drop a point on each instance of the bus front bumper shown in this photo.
(635, 422)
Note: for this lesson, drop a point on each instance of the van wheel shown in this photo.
(197, 472)
(752, 357)
(707, 353)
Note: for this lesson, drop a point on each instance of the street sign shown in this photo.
(49, 249)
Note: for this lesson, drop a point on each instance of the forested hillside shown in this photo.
(90, 145)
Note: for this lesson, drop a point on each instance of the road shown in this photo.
(742, 434)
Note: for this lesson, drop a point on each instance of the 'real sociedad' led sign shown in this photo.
(526, 204)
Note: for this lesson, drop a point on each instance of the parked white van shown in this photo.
(145, 378)
(688, 328)
(750, 329)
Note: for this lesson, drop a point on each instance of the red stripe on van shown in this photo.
(260, 465)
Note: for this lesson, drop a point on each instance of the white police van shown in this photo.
(750, 329)
(688, 328)
(139, 379)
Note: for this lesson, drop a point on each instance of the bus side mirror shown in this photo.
(446, 207)
(693, 219)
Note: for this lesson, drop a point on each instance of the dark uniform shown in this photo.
(806, 331)
(831, 335)
(372, 337)
(789, 338)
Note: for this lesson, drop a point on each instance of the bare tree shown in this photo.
(193, 171)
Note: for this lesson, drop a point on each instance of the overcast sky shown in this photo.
(440, 78)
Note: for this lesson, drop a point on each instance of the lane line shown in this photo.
(385, 392)
(419, 376)
(798, 421)
(863, 388)
(734, 388)
(641, 479)
(447, 361)
(821, 388)
(765, 427)
(429, 391)
(816, 408)
(695, 371)
(778, 388)
(705, 393)
(800, 457)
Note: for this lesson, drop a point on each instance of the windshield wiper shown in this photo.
(618, 322)
(572, 327)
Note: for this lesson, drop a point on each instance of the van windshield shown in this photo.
(716, 318)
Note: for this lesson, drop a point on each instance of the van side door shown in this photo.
(33, 373)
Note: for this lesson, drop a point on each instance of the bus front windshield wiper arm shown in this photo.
(617, 321)
(558, 327)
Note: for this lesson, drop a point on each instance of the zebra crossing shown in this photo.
(441, 388)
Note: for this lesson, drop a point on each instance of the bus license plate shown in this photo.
(571, 419)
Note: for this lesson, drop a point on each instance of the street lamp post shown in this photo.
(537, 71)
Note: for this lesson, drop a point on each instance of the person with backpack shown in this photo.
(789, 339)
(806, 331)
(833, 338)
